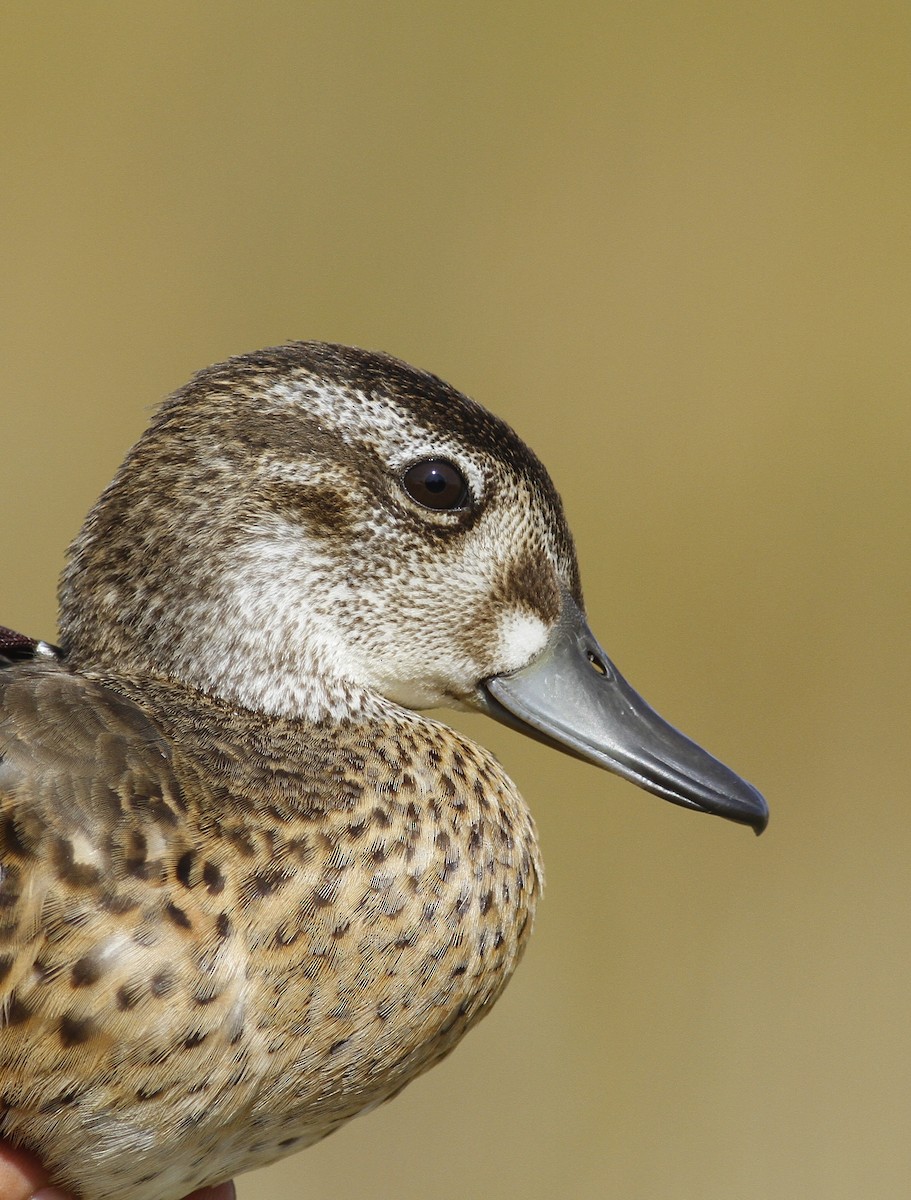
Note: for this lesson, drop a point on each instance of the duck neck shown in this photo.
(257, 628)
(256, 668)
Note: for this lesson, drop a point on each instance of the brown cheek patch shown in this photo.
(526, 582)
(324, 510)
(529, 581)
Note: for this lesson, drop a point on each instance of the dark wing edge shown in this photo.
(19, 647)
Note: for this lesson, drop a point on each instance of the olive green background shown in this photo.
(669, 242)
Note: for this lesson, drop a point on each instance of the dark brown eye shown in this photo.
(437, 484)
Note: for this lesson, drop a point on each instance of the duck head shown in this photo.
(320, 532)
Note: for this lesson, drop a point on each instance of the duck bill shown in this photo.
(573, 697)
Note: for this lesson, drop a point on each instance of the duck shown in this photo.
(249, 888)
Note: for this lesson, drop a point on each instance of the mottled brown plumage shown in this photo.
(233, 935)
(246, 892)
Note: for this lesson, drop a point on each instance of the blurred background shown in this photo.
(669, 242)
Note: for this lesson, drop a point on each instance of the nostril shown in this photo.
(597, 662)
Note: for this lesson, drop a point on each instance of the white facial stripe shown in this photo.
(353, 416)
(347, 412)
(303, 472)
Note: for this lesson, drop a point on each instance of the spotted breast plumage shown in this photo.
(247, 890)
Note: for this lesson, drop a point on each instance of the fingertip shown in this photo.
(21, 1175)
(219, 1191)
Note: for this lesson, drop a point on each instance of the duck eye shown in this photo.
(436, 484)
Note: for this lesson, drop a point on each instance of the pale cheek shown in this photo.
(521, 636)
